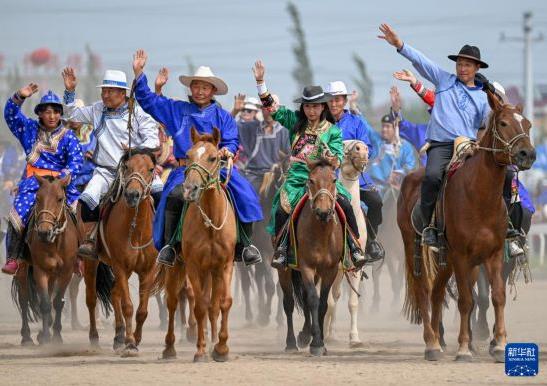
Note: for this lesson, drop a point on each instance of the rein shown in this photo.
(58, 228)
(312, 197)
(209, 180)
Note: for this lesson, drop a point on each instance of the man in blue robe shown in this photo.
(204, 114)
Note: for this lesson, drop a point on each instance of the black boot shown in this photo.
(281, 253)
(374, 250)
(168, 253)
(245, 250)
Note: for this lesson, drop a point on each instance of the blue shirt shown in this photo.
(179, 117)
(459, 110)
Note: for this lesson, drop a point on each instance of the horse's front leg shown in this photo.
(246, 283)
(21, 281)
(220, 352)
(59, 302)
(330, 316)
(317, 346)
(214, 306)
(145, 284)
(90, 280)
(465, 306)
(437, 300)
(198, 281)
(483, 302)
(130, 348)
(288, 307)
(494, 267)
(119, 329)
(173, 284)
(73, 288)
(327, 278)
(353, 306)
(42, 289)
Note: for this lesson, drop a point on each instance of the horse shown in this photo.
(124, 242)
(354, 163)
(209, 237)
(394, 251)
(52, 238)
(475, 220)
(266, 185)
(320, 240)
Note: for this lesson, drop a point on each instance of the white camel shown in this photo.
(355, 161)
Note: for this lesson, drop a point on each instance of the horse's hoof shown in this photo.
(291, 349)
(200, 358)
(318, 351)
(356, 344)
(498, 353)
(169, 353)
(219, 357)
(27, 342)
(43, 339)
(129, 351)
(117, 346)
(481, 333)
(303, 340)
(433, 355)
(465, 357)
(57, 339)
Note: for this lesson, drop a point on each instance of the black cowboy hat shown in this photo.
(313, 94)
(469, 52)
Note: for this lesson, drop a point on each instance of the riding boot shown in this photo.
(281, 257)
(168, 253)
(352, 235)
(429, 233)
(14, 243)
(88, 249)
(374, 250)
(245, 250)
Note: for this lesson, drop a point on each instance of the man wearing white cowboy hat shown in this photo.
(355, 127)
(109, 118)
(202, 113)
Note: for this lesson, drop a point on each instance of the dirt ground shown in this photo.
(392, 353)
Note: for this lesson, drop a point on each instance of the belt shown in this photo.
(34, 171)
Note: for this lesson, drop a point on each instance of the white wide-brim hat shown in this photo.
(337, 88)
(205, 74)
(114, 78)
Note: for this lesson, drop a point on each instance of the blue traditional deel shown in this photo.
(50, 98)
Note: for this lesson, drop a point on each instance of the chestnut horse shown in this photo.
(320, 240)
(475, 226)
(53, 243)
(124, 242)
(209, 237)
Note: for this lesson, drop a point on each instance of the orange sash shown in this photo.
(34, 171)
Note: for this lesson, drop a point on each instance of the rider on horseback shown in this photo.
(109, 118)
(204, 114)
(355, 127)
(51, 149)
(313, 134)
(460, 109)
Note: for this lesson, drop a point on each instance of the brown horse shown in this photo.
(475, 227)
(208, 246)
(125, 244)
(320, 240)
(53, 243)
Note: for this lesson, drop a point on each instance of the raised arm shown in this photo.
(21, 126)
(427, 95)
(72, 112)
(162, 109)
(427, 68)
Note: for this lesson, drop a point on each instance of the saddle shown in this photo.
(293, 244)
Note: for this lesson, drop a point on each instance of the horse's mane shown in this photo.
(320, 162)
(50, 178)
(137, 151)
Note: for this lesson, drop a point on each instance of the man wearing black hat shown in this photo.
(460, 109)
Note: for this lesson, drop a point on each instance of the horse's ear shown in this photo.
(194, 135)
(493, 101)
(519, 108)
(216, 136)
(311, 164)
(65, 181)
(40, 179)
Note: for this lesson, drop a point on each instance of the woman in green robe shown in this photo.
(313, 135)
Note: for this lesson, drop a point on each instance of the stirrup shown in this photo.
(429, 238)
(167, 256)
(251, 255)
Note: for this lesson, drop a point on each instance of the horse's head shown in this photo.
(204, 164)
(137, 174)
(322, 188)
(508, 135)
(49, 215)
(355, 157)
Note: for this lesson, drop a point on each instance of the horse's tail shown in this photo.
(104, 283)
(159, 279)
(298, 289)
(33, 310)
(411, 307)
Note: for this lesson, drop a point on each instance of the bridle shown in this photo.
(58, 227)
